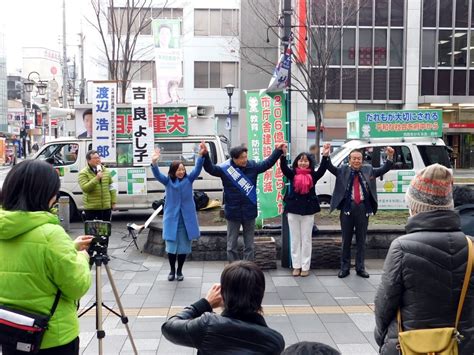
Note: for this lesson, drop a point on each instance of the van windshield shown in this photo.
(337, 153)
(432, 154)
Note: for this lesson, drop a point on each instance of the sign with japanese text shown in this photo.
(394, 124)
(142, 116)
(168, 59)
(136, 181)
(394, 187)
(266, 125)
(103, 120)
(167, 121)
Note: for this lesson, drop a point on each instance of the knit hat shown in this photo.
(431, 189)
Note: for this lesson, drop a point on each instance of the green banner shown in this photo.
(266, 126)
(167, 121)
(136, 181)
(394, 124)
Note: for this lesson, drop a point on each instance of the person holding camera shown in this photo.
(99, 193)
(38, 259)
(180, 223)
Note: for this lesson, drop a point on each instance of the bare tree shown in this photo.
(325, 26)
(119, 27)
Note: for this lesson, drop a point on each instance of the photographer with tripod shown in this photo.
(42, 271)
(100, 196)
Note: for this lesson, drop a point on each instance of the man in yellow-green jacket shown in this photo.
(100, 195)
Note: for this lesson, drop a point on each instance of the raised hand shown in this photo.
(326, 149)
(281, 146)
(202, 148)
(390, 151)
(214, 296)
(156, 156)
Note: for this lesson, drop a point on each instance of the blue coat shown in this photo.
(237, 206)
(179, 197)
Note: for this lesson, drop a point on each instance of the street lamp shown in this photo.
(41, 86)
(228, 123)
(70, 101)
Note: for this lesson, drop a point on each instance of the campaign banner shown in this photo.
(104, 102)
(167, 121)
(394, 124)
(266, 126)
(142, 115)
(280, 77)
(136, 181)
(168, 59)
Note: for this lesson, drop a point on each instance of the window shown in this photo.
(444, 82)
(364, 84)
(60, 154)
(398, 7)
(380, 47)
(333, 83)
(445, 13)
(427, 82)
(402, 158)
(124, 154)
(365, 13)
(334, 40)
(395, 84)
(471, 82)
(334, 12)
(459, 82)
(381, 13)
(380, 84)
(348, 47)
(432, 154)
(462, 7)
(348, 89)
(428, 50)
(429, 13)
(396, 48)
(460, 49)
(318, 12)
(444, 48)
(186, 152)
(216, 22)
(215, 74)
(365, 47)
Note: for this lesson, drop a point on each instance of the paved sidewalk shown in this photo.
(319, 308)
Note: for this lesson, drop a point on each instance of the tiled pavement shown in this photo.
(320, 307)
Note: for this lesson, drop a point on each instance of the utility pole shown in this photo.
(82, 82)
(64, 57)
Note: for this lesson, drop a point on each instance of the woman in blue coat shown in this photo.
(180, 223)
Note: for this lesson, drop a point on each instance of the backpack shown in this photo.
(200, 200)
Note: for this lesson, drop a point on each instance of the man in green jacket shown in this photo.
(100, 196)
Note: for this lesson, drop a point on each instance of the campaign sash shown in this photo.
(240, 180)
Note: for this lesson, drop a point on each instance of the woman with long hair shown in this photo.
(38, 258)
(180, 223)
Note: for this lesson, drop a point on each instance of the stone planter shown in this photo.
(265, 252)
(326, 253)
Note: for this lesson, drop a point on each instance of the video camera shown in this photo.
(101, 231)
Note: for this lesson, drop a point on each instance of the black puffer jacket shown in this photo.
(215, 334)
(423, 275)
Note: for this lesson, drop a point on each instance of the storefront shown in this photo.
(460, 137)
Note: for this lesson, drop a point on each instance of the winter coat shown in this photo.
(179, 199)
(196, 326)
(423, 275)
(97, 195)
(343, 174)
(302, 204)
(36, 258)
(237, 206)
(466, 212)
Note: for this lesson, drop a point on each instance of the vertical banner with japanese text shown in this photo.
(142, 115)
(266, 126)
(103, 120)
(168, 59)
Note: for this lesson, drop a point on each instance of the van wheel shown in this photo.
(324, 201)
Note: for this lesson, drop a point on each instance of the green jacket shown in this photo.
(98, 195)
(36, 258)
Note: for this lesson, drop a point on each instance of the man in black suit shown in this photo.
(355, 195)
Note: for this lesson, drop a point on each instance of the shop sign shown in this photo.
(394, 124)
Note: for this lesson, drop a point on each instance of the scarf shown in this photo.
(303, 181)
(348, 195)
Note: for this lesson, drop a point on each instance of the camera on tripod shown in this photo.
(101, 231)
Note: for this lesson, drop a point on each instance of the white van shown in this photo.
(69, 157)
(411, 155)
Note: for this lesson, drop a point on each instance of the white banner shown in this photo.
(168, 59)
(103, 120)
(142, 115)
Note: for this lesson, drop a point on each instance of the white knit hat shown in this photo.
(431, 189)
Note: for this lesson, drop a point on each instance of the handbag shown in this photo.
(24, 331)
(436, 341)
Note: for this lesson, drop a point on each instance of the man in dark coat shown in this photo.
(424, 269)
(355, 195)
(238, 175)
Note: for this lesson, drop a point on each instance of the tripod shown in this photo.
(98, 259)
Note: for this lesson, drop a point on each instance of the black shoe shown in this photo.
(343, 273)
(179, 277)
(363, 274)
(171, 276)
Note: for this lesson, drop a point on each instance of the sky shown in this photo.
(38, 23)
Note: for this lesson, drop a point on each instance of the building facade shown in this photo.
(400, 54)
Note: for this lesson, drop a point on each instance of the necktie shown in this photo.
(356, 189)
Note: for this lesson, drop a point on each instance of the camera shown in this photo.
(101, 231)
